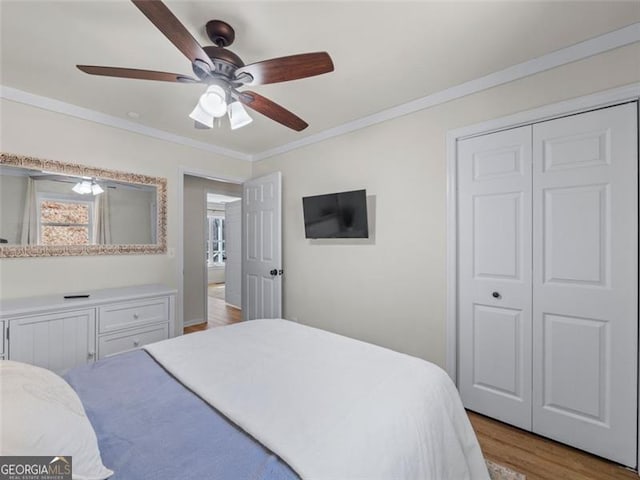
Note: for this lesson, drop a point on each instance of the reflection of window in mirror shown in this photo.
(216, 254)
(97, 211)
(64, 221)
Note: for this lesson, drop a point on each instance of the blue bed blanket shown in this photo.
(149, 426)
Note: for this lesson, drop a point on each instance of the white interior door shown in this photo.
(233, 248)
(494, 225)
(585, 281)
(262, 247)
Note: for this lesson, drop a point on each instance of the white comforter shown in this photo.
(329, 406)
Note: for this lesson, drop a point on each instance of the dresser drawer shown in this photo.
(133, 314)
(131, 339)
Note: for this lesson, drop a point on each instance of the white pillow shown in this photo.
(40, 414)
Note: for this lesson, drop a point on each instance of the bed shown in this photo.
(272, 399)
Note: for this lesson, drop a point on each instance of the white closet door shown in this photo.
(494, 225)
(585, 281)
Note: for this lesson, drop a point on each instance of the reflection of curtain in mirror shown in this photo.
(30, 218)
(103, 224)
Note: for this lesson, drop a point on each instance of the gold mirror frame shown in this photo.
(17, 251)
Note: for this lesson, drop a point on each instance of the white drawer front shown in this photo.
(130, 340)
(133, 314)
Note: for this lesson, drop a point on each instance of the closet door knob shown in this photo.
(496, 295)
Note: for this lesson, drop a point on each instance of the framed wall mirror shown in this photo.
(51, 208)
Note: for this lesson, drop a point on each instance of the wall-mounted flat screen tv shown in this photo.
(336, 215)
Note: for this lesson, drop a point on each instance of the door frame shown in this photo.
(195, 172)
(577, 105)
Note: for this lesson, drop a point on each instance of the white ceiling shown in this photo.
(385, 54)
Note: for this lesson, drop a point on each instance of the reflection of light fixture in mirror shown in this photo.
(85, 187)
(96, 189)
(82, 187)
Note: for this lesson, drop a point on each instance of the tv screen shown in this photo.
(336, 215)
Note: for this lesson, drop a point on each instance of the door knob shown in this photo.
(273, 272)
(496, 295)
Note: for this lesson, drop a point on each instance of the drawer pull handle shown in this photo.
(136, 343)
(136, 316)
(90, 355)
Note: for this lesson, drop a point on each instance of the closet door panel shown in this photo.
(494, 194)
(585, 281)
(576, 234)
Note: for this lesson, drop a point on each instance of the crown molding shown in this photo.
(46, 103)
(579, 51)
(573, 53)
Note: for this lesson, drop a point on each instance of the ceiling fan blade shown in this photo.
(135, 73)
(288, 68)
(173, 29)
(272, 110)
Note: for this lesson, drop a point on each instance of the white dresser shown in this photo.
(58, 333)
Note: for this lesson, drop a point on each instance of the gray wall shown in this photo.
(130, 216)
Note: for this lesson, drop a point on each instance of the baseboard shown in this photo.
(195, 321)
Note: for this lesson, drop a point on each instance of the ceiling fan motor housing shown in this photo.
(225, 63)
(220, 33)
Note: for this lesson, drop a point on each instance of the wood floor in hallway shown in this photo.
(219, 313)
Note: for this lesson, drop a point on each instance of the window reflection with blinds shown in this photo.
(215, 242)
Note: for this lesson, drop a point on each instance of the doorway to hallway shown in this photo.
(212, 253)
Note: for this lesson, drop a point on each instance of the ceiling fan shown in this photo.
(222, 71)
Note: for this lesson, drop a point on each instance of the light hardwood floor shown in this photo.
(540, 458)
(219, 314)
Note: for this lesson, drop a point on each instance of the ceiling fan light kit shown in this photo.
(238, 116)
(223, 71)
(202, 118)
(214, 104)
(214, 101)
